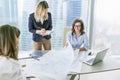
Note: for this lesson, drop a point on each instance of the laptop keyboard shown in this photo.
(90, 60)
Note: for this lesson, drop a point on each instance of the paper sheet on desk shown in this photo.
(77, 63)
(24, 54)
(76, 67)
(54, 65)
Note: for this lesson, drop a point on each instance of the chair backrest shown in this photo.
(66, 29)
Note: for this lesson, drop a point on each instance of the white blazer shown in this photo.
(10, 69)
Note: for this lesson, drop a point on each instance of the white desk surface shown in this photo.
(54, 65)
(108, 64)
(26, 54)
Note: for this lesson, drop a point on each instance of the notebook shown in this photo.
(91, 60)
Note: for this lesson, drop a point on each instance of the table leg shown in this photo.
(73, 77)
(30, 77)
(79, 77)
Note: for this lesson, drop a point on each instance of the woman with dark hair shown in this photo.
(10, 68)
(39, 23)
(77, 36)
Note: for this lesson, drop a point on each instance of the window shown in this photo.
(8, 12)
(16, 12)
(107, 25)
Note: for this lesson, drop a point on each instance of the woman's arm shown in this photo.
(82, 49)
(31, 24)
(85, 43)
(50, 21)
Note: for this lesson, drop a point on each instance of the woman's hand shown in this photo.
(66, 44)
(82, 49)
(41, 32)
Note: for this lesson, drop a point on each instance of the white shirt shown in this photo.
(10, 69)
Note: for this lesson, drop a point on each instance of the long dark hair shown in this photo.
(8, 39)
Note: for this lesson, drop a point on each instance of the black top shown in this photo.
(33, 26)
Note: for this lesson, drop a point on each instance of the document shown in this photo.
(54, 65)
(48, 32)
(24, 55)
(76, 67)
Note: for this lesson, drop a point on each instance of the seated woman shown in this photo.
(9, 65)
(77, 36)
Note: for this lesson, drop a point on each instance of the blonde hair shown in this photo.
(8, 39)
(39, 11)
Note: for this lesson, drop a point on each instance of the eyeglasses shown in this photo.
(77, 25)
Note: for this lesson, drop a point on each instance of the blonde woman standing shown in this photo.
(10, 68)
(39, 22)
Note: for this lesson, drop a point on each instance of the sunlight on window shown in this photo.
(63, 14)
(107, 16)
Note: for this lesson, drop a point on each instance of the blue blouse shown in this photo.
(79, 41)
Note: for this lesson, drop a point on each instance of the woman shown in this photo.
(9, 66)
(77, 36)
(39, 22)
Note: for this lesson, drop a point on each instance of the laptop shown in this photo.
(91, 60)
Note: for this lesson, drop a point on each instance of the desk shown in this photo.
(108, 64)
(24, 57)
(26, 54)
(52, 66)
